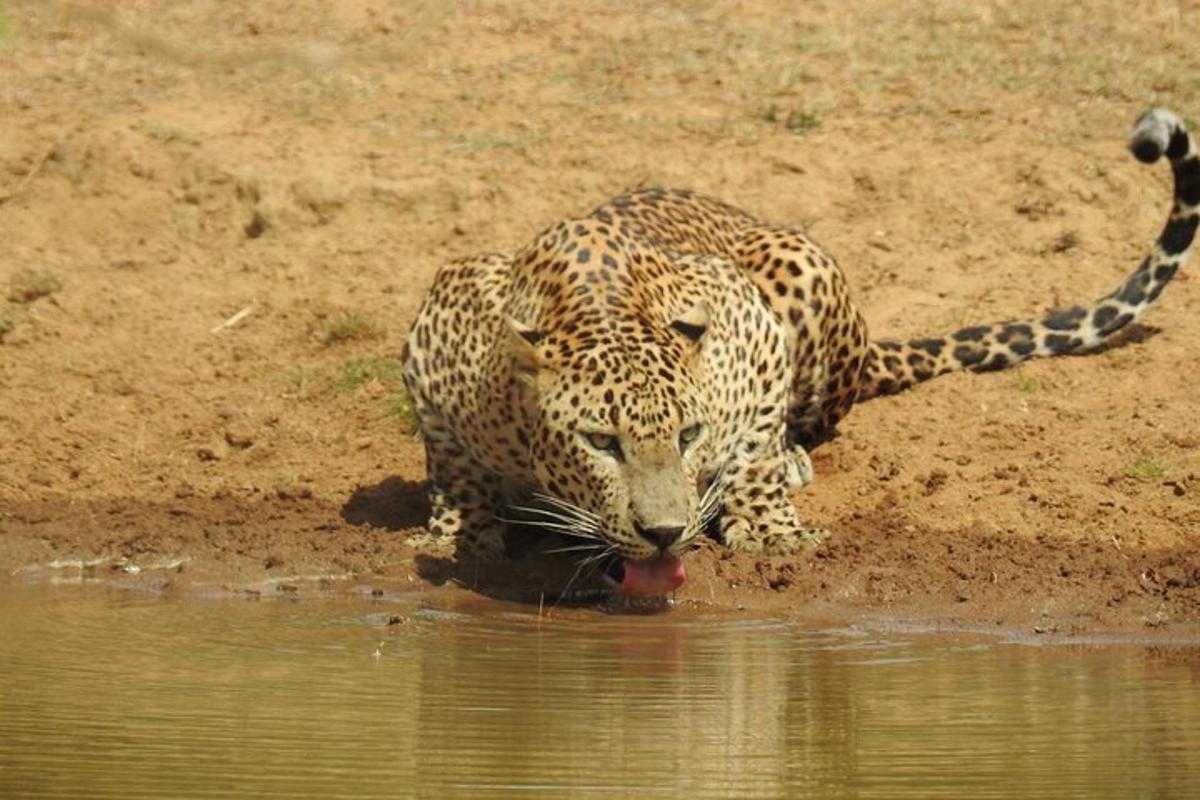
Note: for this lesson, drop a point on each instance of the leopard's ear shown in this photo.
(693, 324)
(522, 347)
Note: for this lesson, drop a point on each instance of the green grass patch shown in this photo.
(6, 325)
(351, 327)
(1146, 468)
(387, 371)
(802, 121)
(476, 141)
(302, 379)
(1028, 385)
(796, 120)
(400, 408)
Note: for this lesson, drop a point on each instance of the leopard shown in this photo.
(657, 371)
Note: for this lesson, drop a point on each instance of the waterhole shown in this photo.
(110, 694)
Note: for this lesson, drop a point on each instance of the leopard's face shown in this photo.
(620, 434)
(627, 458)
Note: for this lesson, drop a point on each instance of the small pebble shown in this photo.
(240, 438)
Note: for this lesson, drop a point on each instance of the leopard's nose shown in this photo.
(662, 538)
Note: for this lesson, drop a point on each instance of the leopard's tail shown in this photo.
(892, 366)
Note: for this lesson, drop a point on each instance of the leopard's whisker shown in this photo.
(565, 506)
(565, 520)
(593, 560)
(596, 557)
(551, 513)
(570, 529)
(713, 492)
(591, 567)
(579, 548)
(566, 592)
(710, 506)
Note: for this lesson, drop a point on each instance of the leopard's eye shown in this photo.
(688, 436)
(605, 442)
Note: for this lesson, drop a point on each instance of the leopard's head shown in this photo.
(618, 434)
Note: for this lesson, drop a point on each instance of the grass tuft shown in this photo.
(802, 121)
(351, 327)
(1028, 385)
(387, 371)
(796, 120)
(301, 379)
(1146, 468)
(477, 141)
(400, 407)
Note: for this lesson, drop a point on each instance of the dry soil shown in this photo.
(217, 220)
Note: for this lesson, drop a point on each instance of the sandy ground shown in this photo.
(218, 220)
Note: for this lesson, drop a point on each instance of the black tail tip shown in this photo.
(1158, 132)
(1145, 151)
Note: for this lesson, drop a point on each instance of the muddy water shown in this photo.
(112, 694)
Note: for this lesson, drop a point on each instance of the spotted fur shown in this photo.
(664, 361)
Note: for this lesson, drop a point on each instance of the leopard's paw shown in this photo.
(771, 540)
(799, 468)
(793, 541)
(432, 544)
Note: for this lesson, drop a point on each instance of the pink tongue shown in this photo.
(652, 578)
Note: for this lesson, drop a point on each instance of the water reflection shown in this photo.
(107, 695)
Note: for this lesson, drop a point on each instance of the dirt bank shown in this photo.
(218, 222)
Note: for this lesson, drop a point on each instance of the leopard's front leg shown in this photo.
(758, 515)
(462, 495)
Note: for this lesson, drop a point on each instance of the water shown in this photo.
(111, 694)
